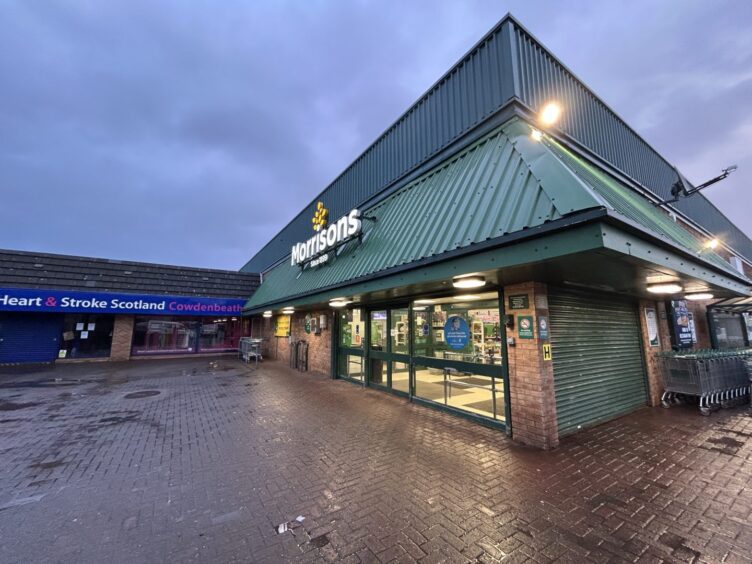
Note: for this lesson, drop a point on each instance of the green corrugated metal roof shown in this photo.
(634, 207)
(503, 184)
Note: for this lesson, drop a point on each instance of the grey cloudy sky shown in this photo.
(191, 132)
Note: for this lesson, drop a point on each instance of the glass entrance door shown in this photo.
(389, 349)
(350, 340)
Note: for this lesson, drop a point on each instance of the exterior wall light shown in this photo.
(699, 296)
(338, 302)
(711, 244)
(288, 310)
(536, 135)
(550, 113)
(665, 289)
(267, 313)
(468, 282)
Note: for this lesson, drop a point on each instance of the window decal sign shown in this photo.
(64, 301)
(456, 333)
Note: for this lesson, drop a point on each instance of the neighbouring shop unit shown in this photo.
(513, 272)
(61, 308)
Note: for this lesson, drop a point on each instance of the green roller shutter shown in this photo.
(597, 356)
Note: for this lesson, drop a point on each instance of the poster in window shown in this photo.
(283, 326)
(456, 333)
(651, 320)
(680, 324)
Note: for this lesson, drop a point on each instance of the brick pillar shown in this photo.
(122, 337)
(655, 385)
(531, 378)
(699, 311)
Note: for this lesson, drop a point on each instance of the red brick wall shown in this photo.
(122, 337)
(699, 311)
(531, 379)
(319, 345)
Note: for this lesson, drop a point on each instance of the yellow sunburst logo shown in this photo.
(319, 217)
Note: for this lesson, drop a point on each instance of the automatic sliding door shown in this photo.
(350, 357)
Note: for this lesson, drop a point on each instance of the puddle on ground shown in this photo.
(116, 419)
(319, 541)
(142, 394)
(48, 383)
(13, 406)
(48, 465)
(727, 442)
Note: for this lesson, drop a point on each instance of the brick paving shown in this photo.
(105, 470)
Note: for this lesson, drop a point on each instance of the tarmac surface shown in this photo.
(208, 460)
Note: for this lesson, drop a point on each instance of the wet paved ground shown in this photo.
(182, 461)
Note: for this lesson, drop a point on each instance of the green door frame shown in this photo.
(388, 356)
(366, 353)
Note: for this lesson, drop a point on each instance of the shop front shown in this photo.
(48, 321)
(508, 250)
(533, 318)
(443, 351)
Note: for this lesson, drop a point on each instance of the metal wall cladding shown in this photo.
(470, 92)
(597, 356)
(485, 192)
(507, 63)
(587, 119)
(636, 208)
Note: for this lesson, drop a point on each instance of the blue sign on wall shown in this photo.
(63, 301)
(456, 333)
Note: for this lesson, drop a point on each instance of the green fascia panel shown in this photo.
(623, 242)
(635, 208)
(506, 183)
(577, 239)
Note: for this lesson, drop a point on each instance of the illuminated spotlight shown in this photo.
(536, 135)
(665, 288)
(465, 282)
(699, 296)
(267, 313)
(712, 244)
(550, 114)
(339, 302)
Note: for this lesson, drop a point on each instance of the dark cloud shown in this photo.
(192, 132)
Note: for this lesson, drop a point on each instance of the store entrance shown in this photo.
(443, 351)
(389, 349)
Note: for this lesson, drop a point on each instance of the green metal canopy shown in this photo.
(506, 183)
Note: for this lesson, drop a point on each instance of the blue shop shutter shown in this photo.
(29, 337)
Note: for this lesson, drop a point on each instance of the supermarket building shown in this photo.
(486, 258)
